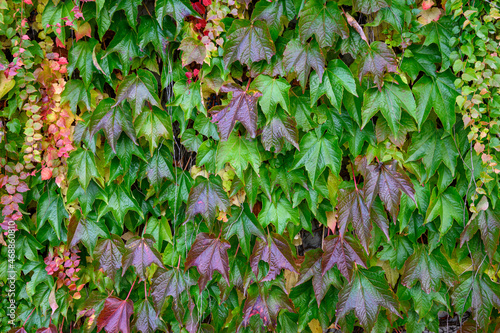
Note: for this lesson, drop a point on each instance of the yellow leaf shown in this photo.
(427, 16)
(6, 85)
(315, 326)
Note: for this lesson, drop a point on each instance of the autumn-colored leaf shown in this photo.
(115, 316)
(343, 252)
(166, 283)
(109, 253)
(141, 253)
(205, 197)
(352, 207)
(378, 61)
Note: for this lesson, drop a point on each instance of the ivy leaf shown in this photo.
(478, 292)
(316, 153)
(418, 58)
(397, 251)
(159, 167)
(80, 56)
(377, 61)
(87, 231)
(383, 132)
(275, 14)
(74, 93)
(369, 6)
(278, 212)
(249, 41)
(276, 252)
(81, 165)
(146, 320)
(51, 208)
(434, 147)
(353, 208)
(389, 100)
(438, 94)
(278, 128)
(177, 9)
(428, 268)
(137, 89)
(238, 152)
(488, 222)
(300, 59)
(120, 201)
(366, 293)
(51, 329)
(449, 206)
(209, 254)
(205, 197)
(324, 20)
(311, 268)
(131, 11)
(125, 44)
(141, 253)
(115, 316)
(109, 252)
(113, 120)
(150, 32)
(384, 180)
(53, 14)
(274, 91)
(343, 252)
(440, 33)
(153, 124)
(169, 283)
(242, 107)
(188, 96)
(243, 224)
(337, 77)
(193, 50)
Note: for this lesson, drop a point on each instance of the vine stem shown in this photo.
(179, 262)
(29, 316)
(354, 177)
(248, 84)
(130, 289)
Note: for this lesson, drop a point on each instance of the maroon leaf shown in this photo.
(146, 320)
(50, 329)
(311, 268)
(115, 316)
(205, 197)
(17, 330)
(378, 60)
(168, 283)
(344, 253)
(278, 128)
(209, 254)
(141, 253)
(352, 208)
(300, 59)
(276, 252)
(242, 107)
(109, 252)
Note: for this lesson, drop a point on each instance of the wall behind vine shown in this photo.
(247, 166)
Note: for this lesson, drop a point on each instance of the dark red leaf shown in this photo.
(50, 329)
(344, 253)
(17, 330)
(168, 283)
(352, 208)
(376, 62)
(115, 316)
(109, 252)
(205, 197)
(141, 253)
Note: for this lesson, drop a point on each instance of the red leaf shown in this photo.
(141, 253)
(109, 252)
(50, 329)
(115, 316)
(168, 283)
(341, 252)
(17, 330)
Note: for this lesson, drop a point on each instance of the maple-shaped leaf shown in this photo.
(300, 58)
(352, 207)
(369, 6)
(478, 292)
(151, 32)
(109, 252)
(51, 208)
(343, 252)
(383, 131)
(440, 33)
(448, 205)
(275, 14)
(137, 89)
(115, 316)
(377, 61)
(153, 124)
(418, 58)
(120, 201)
(18, 330)
(205, 197)
(389, 100)
(141, 253)
(439, 94)
(113, 120)
(188, 97)
(248, 42)
(80, 56)
(125, 44)
(428, 268)
(279, 128)
(160, 167)
(177, 9)
(243, 224)
(276, 252)
(82, 165)
(278, 211)
(238, 152)
(366, 293)
(384, 180)
(488, 222)
(146, 319)
(324, 20)
(75, 93)
(434, 147)
(87, 231)
(267, 302)
(316, 153)
(242, 107)
(193, 50)
(50, 329)
(274, 91)
(166, 283)
(209, 254)
(311, 268)
(337, 77)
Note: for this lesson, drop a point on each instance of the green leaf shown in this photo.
(159, 167)
(81, 165)
(177, 9)
(274, 91)
(131, 10)
(397, 252)
(276, 14)
(87, 231)
(369, 6)
(238, 152)
(438, 94)
(120, 201)
(53, 15)
(188, 96)
(449, 205)
(278, 212)
(160, 229)
(137, 89)
(389, 100)
(337, 77)
(243, 224)
(151, 32)
(74, 93)
(316, 153)
(418, 58)
(300, 59)
(193, 50)
(153, 124)
(248, 42)
(80, 56)
(51, 208)
(324, 20)
(125, 44)
(440, 33)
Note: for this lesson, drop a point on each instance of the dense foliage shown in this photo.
(224, 166)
